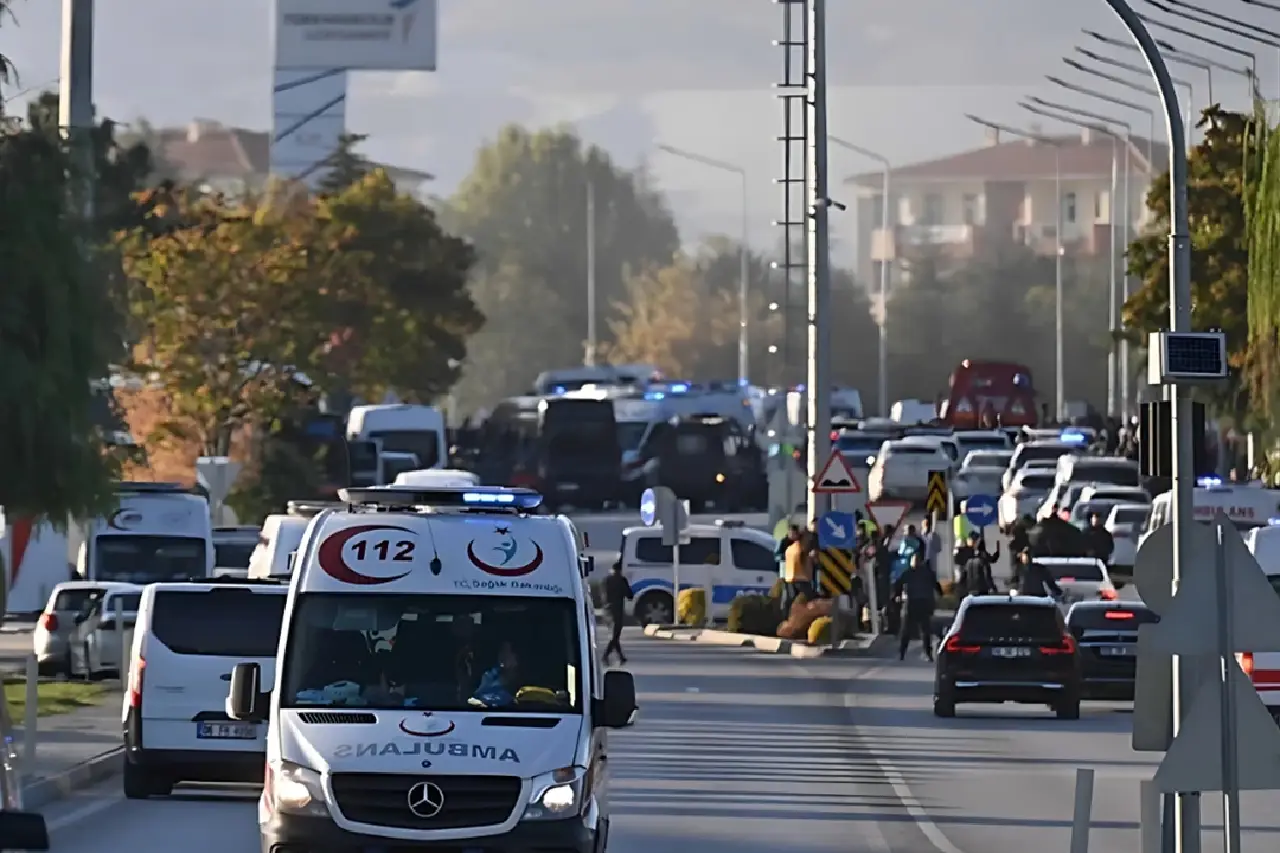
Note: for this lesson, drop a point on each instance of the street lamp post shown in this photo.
(1229, 48)
(1110, 99)
(1129, 84)
(1060, 401)
(744, 258)
(1234, 26)
(1114, 406)
(883, 353)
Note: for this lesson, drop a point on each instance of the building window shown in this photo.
(1069, 208)
(1098, 205)
(972, 209)
(933, 210)
(904, 211)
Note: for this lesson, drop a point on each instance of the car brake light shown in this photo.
(1107, 594)
(1246, 663)
(1119, 614)
(1067, 580)
(136, 673)
(1066, 647)
(953, 646)
(49, 621)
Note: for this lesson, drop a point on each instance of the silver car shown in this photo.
(51, 639)
(104, 634)
(981, 473)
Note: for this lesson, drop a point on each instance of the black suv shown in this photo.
(1008, 649)
(1106, 632)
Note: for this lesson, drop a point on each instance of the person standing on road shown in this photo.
(932, 543)
(882, 574)
(799, 566)
(1019, 538)
(780, 558)
(617, 591)
(977, 577)
(1100, 542)
(917, 590)
(1034, 579)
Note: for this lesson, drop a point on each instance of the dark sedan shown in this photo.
(1106, 633)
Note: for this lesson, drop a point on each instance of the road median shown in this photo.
(858, 646)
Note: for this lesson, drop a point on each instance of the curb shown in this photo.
(861, 646)
(41, 792)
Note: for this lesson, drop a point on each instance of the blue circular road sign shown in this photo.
(648, 507)
(980, 510)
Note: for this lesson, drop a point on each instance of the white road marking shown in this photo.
(84, 812)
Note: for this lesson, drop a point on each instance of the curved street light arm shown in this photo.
(1230, 48)
(1128, 128)
(1111, 78)
(1004, 128)
(858, 149)
(699, 158)
(1124, 66)
(1066, 119)
(1220, 19)
(1058, 81)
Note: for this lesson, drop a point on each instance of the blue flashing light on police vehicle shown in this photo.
(1273, 522)
(469, 496)
(1208, 482)
(1071, 436)
(648, 507)
(655, 395)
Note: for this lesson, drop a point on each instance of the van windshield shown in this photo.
(434, 652)
(148, 559)
(423, 443)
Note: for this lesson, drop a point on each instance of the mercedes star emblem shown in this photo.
(426, 799)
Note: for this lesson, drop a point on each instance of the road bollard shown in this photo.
(29, 717)
(1083, 817)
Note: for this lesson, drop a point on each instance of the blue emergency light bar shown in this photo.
(1071, 436)
(1273, 522)
(1209, 482)
(444, 496)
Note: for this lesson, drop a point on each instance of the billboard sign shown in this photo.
(309, 117)
(364, 35)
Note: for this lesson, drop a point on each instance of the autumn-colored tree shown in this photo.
(346, 166)
(658, 321)
(1217, 181)
(407, 313)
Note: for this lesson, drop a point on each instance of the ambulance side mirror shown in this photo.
(615, 710)
(23, 830)
(244, 697)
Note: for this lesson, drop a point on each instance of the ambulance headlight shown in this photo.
(295, 789)
(559, 794)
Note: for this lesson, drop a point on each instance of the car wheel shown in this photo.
(140, 783)
(655, 608)
(944, 704)
(1069, 708)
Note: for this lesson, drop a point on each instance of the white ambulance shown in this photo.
(437, 681)
(1246, 506)
(158, 532)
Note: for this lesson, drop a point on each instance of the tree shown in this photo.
(409, 312)
(1263, 210)
(51, 307)
(345, 166)
(1217, 181)
(7, 72)
(231, 299)
(524, 207)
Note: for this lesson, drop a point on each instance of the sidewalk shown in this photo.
(73, 751)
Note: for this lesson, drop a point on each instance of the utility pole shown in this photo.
(75, 96)
(818, 383)
(590, 356)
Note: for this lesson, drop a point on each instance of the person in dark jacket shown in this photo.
(975, 572)
(1034, 579)
(1018, 539)
(617, 591)
(917, 589)
(882, 567)
(1101, 543)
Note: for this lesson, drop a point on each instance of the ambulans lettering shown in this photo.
(425, 748)
(1238, 512)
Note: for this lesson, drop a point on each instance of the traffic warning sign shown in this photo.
(835, 572)
(836, 477)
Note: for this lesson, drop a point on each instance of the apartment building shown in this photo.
(233, 160)
(958, 206)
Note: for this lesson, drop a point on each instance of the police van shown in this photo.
(437, 681)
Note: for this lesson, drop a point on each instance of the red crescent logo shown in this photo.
(505, 572)
(113, 520)
(333, 564)
(404, 727)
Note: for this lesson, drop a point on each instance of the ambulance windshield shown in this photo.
(434, 652)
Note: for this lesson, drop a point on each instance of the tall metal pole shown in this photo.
(75, 94)
(883, 353)
(1059, 369)
(1112, 366)
(1126, 403)
(592, 343)
(818, 390)
(744, 285)
(1186, 829)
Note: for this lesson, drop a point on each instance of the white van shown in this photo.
(728, 559)
(402, 428)
(1099, 470)
(281, 534)
(1246, 507)
(158, 532)
(438, 681)
(186, 640)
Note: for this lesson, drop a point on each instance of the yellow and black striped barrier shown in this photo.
(935, 501)
(835, 571)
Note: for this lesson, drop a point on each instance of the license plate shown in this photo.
(227, 731)
(1011, 652)
(1117, 652)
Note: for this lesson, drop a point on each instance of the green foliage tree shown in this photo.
(409, 313)
(1218, 173)
(346, 166)
(51, 304)
(524, 207)
(7, 72)
(1263, 210)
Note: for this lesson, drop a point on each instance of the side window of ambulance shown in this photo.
(649, 549)
(752, 557)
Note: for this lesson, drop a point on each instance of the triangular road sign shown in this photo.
(1189, 626)
(1194, 759)
(836, 476)
(888, 513)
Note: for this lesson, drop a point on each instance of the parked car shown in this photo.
(104, 634)
(52, 638)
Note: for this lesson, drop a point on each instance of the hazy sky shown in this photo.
(696, 74)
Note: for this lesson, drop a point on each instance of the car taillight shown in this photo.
(1119, 614)
(953, 646)
(136, 672)
(1107, 594)
(1066, 647)
(1246, 663)
(49, 621)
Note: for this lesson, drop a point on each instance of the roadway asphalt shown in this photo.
(737, 752)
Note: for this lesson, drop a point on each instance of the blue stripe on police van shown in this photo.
(720, 594)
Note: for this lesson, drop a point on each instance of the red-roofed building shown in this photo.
(955, 206)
